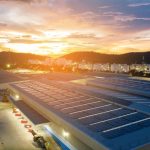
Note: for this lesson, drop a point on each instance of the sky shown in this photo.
(58, 27)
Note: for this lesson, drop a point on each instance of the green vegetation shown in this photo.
(93, 57)
(17, 59)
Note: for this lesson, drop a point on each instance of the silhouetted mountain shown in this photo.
(93, 57)
(19, 58)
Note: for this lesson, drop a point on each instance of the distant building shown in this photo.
(140, 67)
(63, 62)
(120, 68)
(47, 61)
(101, 67)
(86, 66)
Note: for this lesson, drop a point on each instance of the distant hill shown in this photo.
(93, 57)
(19, 58)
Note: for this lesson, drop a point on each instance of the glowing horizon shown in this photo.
(58, 27)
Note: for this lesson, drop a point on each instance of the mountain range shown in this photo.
(18, 58)
(93, 57)
(89, 57)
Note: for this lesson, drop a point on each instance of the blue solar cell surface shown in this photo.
(95, 114)
(133, 93)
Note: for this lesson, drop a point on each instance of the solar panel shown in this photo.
(100, 127)
(67, 111)
(145, 123)
(136, 117)
(128, 83)
(95, 111)
(113, 134)
(78, 115)
(122, 111)
(110, 107)
(121, 131)
(101, 117)
(104, 116)
(125, 99)
(88, 121)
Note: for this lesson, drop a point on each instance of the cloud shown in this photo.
(142, 36)
(104, 7)
(26, 1)
(125, 18)
(26, 41)
(3, 48)
(138, 4)
(32, 41)
(112, 13)
(3, 24)
(81, 24)
(82, 36)
(120, 16)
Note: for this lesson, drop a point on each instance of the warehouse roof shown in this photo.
(109, 124)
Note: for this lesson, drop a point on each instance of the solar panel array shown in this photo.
(127, 97)
(127, 83)
(98, 115)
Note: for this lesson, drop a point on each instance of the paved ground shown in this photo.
(13, 135)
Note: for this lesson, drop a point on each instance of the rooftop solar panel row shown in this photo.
(141, 85)
(123, 98)
(126, 129)
(96, 114)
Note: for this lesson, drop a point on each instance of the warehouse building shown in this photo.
(80, 120)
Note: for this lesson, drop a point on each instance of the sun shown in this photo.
(56, 50)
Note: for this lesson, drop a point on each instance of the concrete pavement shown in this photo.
(13, 135)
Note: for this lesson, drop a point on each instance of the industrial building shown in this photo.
(109, 113)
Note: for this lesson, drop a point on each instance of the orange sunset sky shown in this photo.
(57, 27)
